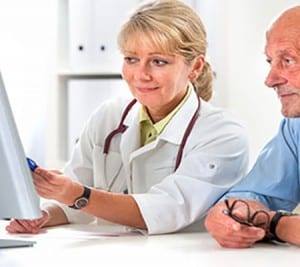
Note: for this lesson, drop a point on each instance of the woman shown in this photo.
(176, 154)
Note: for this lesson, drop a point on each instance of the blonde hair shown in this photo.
(175, 28)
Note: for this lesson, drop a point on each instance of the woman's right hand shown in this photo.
(28, 226)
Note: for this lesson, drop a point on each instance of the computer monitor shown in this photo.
(18, 198)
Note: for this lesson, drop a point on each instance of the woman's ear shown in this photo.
(197, 66)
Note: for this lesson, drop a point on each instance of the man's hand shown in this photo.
(230, 233)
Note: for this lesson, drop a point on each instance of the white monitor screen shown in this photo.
(18, 198)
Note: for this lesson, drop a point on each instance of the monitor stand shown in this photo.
(13, 243)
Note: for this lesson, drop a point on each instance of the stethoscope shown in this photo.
(122, 128)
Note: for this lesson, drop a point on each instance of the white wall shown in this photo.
(27, 56)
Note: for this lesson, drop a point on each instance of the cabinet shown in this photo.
(96, 23)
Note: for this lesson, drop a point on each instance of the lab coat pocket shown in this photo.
(109, 171)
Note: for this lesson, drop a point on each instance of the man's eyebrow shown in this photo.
(284, 52)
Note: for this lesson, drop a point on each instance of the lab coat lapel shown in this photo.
(130, 140)
(176, 128)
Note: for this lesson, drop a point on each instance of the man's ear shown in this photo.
(197, 66)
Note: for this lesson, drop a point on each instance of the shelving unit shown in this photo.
(57, 135)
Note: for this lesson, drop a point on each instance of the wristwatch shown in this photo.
(275, 220)
(83, 200)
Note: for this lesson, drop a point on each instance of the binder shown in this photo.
(80, 33)
(93, 29)
(108, 17)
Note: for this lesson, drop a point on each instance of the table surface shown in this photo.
(92, 245)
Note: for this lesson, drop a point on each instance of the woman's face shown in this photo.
(157, 80)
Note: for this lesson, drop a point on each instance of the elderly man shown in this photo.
(260, 206)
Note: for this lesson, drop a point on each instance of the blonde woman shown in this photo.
(159, 162)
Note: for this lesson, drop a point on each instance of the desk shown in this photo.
(90, 245)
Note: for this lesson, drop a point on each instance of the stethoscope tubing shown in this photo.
(187, 133)
(121, 128)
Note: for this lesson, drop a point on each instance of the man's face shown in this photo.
(283, 53)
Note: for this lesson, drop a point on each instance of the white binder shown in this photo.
(93, 29)
(80, 33)
(108, 17)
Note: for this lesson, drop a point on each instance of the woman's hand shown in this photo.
(28, 226)
(54, 185)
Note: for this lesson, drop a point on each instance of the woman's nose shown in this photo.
(143, 73)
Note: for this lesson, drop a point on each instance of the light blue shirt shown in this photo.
(274, 179)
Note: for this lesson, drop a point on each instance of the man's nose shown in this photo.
(274, 78)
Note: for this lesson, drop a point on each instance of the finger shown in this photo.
(29, 226)
(235, 244)
(245, 232)
(242, 238)
(240, 235)
(14, 227)
(56, 172)
(19, 226)
(44, 188)
(234, 228)
(233, 241)
(43, 174)
(44, 192)
(236, 241)
(43, 220)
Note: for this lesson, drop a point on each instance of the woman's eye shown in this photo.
(130, 60)
(160, 62)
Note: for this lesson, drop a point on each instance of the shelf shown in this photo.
(88, 73)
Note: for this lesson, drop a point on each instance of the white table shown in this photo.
(90, 245)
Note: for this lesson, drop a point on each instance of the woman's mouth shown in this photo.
(146, 89)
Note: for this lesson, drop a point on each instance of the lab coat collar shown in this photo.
(176, 128)
(130, 140)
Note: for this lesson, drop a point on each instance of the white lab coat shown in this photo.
(215, 158)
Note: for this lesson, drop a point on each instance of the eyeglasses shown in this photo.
(259, 218)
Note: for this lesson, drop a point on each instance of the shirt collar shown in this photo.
(160, 125)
